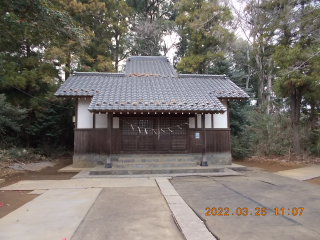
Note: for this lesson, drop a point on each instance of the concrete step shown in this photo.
(151, 164)
(133, 171)
(155, 155)
(155, 159)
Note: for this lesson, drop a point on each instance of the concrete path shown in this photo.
(147, 208)
(80, 184)
(224, 173)
(128, 213)
(71, 169)
(302, 174)
(190, 224)
(55, 214)
(247, 196)
(125, 209)
(32, 166)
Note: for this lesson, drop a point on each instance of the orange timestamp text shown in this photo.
(257, 211)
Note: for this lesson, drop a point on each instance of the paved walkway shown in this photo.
(302, 174)
(189, 223)
(56, 214)
(159, 208)
(128, 213)
(112, 208)
(241, 200)
(81, 183)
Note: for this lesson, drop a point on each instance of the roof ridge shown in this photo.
(200, 75)
(148, 58)
(98, 74)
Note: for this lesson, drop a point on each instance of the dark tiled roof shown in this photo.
(152, 91)
(85, 84)
(152, 65)
(154, 94)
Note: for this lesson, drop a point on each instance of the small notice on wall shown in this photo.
(197, 135)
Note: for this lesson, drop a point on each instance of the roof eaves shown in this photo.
(99, 74)
(199, 76)
(148, 58)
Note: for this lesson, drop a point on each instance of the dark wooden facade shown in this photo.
(128, 140)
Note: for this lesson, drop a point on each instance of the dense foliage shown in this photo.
(277, 63)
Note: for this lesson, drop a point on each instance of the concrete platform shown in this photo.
(71, 169)
(302, 174)
(101, 170)
(189, 223)
(2, 180)
(156, 165)
(81, 184)
(256, 190)
(37, 192)
(32, 166)
(128, 213)
(55, 214)
(225, 173)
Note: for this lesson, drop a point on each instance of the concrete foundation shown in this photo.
(92, 160)
(88, 160)
(219, 158)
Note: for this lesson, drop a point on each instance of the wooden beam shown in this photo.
(108, 164)
(76, 113)
(203, 133)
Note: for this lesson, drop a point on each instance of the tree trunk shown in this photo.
(269, 81)
(68, 64)
(117, 54)
(295, 117)
(259, 62)
(249, 70)
(313, 114)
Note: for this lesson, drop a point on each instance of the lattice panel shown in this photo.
(146, 124)
(127, 129)
(172, 124)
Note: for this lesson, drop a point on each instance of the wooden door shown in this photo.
(174, 139)
(137, 135)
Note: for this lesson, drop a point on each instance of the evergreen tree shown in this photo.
(150, 21)
(10, 121)
(203, 26)
(28, 30)
(297, 56)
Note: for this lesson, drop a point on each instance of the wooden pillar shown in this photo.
(108, 164)
(204, 142)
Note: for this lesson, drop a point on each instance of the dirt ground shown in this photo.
(276, 165)
(14, 199)
(269, 166)
(314, 181)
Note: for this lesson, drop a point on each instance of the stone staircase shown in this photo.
(154, 161)
(157, 164)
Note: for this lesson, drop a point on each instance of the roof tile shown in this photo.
(152, 91)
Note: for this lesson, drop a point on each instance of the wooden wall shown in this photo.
(88, 141)
(95, 141)
(116, 141)
(217, 140)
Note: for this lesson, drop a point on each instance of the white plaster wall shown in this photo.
(84, 117)
(101, 121)
(208, 120)
(221, 120)
(192, 122)
(115, 122)
(199, 121)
